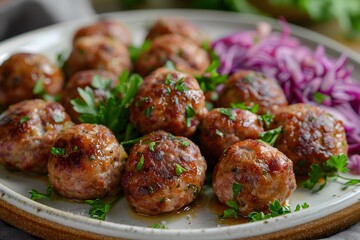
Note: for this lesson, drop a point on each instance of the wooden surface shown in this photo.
(39, 227)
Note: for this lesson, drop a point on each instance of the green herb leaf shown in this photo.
(319, 98)
(148, 111)
(159, 226)
(35, 195)
(227, 112)
(140, 164)
(180, 85)
(233, 204)
(190, 113)
(271, 135)
(38, 87)
(179, 169)
(267, 119)
(152, 146)
(135, 52)
(230, 213)
(24, 119)
(236, 187)
(98, 209)
(338, 162)
(57, 151)
(101, 83)
(242, 105)
(258, 216)
(185, 143)
(60, 59)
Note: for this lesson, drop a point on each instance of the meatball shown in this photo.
(166, 26)
(185, 54)
(82, 80)
(20, 73)
(163, 173)
(309, 135)
(113, 29)
(222, 127)
(264, 174)
(27, 131)
(168, 100)
(97, 52)
(88, 164)
(252, 88)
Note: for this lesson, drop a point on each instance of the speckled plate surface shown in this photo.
(59, 219)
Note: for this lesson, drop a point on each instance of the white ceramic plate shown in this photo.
(200, 222)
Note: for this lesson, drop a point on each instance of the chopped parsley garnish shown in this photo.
(58, 117)
(40, 91)
(24, 119)
(232, 212)
(211, 78)
(168, 80)
(227, 112)
(148, 111)
(35, 195)
(328, 171)
(140, 164)
(185, 143)
(180, 85)
(57, 151)
(242, 105)
(159, 226)
(267, 119)
(190, 113)
(271, 135)
(179, 169)
(92, 157)
(141, 101)
(275, 210)
(98, 209)
(136, 51)
(219, 133)
(113, 111)
(152, 146)
(319, 98)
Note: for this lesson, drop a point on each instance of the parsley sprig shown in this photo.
(232, 212)
(136, 51)
(98, 209)
(113, 112)
(211, 78)
(271, 135)
(254, 108)
(275, 210)
(329, 171)
(36, 195)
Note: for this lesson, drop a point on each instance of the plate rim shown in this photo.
(31, 206)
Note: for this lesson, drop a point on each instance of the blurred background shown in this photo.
(337, 19)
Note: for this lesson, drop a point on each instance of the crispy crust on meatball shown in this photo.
(264, 173)
(113, 29)
(219, 131)
(185, 54)
(27, 132)
(309, 135)
(97, 52)
(168, 100)
(82, 80)
(252, 88)
(164, 26)
(163, 173)
(21, 71)
(91, 164)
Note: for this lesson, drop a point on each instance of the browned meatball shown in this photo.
(21, 71)
(309, 135)
(82, 80)
(97, 52)
(264, 174)
(27, 132)
(186, 29)
(252, 88)
(168, 100)
(222, 127)
(163, 173)
(89, 163)
(113, 29)
(186, 55)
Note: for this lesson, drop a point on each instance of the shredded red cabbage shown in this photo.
(305, 75)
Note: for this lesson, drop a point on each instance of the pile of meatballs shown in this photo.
(181, 139)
